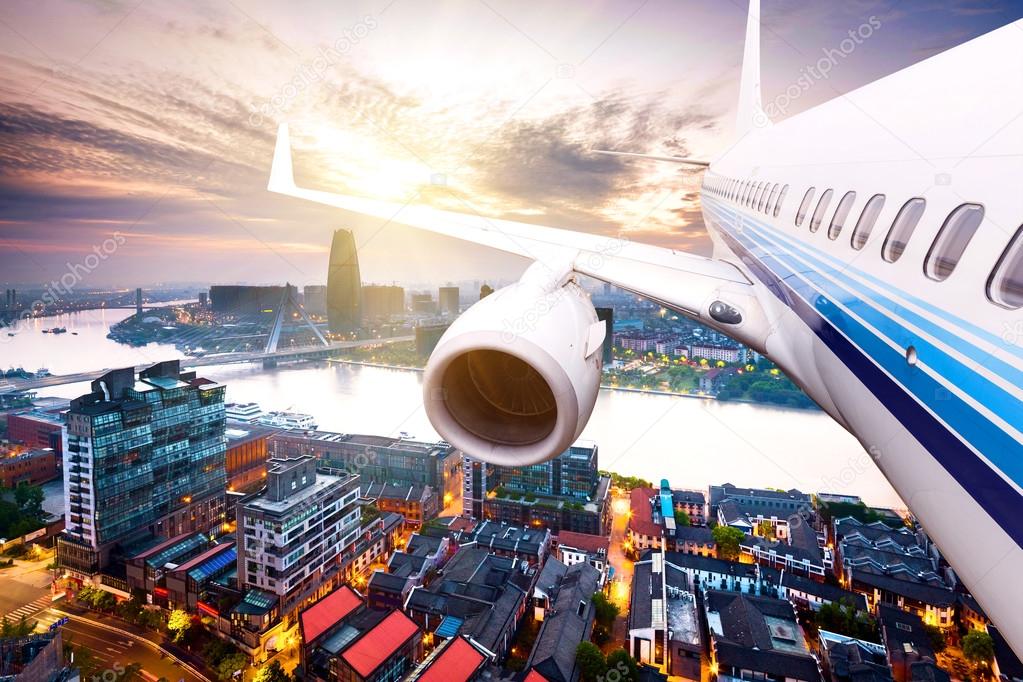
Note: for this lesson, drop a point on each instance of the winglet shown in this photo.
(282, 177)
(751, 111)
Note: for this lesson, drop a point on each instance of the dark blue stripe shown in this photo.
(995, 495)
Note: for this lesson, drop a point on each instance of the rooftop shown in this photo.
(380, 643)
(590, 543)
(328, 612)
(457, 661)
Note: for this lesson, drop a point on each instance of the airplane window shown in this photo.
(866, 222)
(1005, 286)
(758, 196)
(807, 198)
(763, 197)
(902, 229)
(949, 245)
(818, 214)
(781, 198)
(771, 198)
(841, 213)
(745, 192)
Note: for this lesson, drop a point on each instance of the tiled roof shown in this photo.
(458, 662)
(328, 612)
(642, 519)
(584, 541)
(380, 643)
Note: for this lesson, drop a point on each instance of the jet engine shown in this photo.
(514, 379)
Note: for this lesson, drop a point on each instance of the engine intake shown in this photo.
(513, 381)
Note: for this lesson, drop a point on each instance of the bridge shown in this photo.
(268, 359)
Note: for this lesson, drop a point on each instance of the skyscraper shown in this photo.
(447, 299)
(143, 457)
(344, 285)
(314, 299)
(380, 302)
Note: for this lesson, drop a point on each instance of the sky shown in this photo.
(142, 131)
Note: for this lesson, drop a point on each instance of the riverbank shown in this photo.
(605, 387)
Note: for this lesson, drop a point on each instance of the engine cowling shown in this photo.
(514, 379)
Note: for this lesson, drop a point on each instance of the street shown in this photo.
(621, 589)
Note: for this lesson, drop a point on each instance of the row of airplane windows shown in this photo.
(1004, 285)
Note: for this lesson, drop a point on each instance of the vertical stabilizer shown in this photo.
(751, 112)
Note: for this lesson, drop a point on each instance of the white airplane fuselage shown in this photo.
(927, 374)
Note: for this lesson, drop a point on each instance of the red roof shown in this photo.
(456, 663)
(584, 541)
(534, 676)
(378, 644)
(642, 520)
(328, 612)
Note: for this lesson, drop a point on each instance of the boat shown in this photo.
(42, 372)
(243, 412)
(288, 420)
(59, 330)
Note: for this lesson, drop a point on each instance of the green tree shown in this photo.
(765, 529)
(978, 648)
(626, 665)
(229, 664)
(604, 609)
(179, 623)
(274, 672)
(18, 628)
(844, 619)
(29, 499)
(936, 637)
(682, 518)
(591, 661)
(728, 539)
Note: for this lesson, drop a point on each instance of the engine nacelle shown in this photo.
(514, 379)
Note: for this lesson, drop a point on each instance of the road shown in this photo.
(26, 592)
(621, 589)
(114, 650)
(205, 361)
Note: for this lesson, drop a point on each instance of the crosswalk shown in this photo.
(30, 609)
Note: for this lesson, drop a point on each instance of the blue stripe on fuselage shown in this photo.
(990, 490)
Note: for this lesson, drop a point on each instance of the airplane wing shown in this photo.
(653, 157)
(678, 280)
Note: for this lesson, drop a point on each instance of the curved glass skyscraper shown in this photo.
(344, 286)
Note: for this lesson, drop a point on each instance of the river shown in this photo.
(690, 441)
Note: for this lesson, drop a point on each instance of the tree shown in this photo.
(728, 539)
(178, 623)
(605, 610)
(936, 637)
(765, 529)
(29, 499)
(18, 628)
(272, 673)
(844, 619)
(230, 664)
(978, 648)
(591, 661)
(626, 665)
(682, 518)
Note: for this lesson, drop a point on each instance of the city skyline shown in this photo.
(156, 126)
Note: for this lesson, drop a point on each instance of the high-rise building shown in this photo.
(292, 534)
(344, 285)
(607, 316)
(314, 299)
(573, 473)
(476, 483)
(143, 457)
(380, 459)
(447, 299)
(138, 301)
(245, 300)
(379, 302)
(423, 303)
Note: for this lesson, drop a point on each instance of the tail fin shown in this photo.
(751, 111)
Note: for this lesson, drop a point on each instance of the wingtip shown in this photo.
(282, 177)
